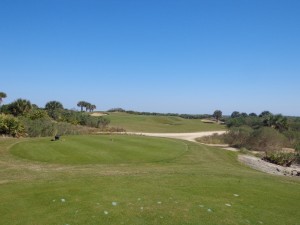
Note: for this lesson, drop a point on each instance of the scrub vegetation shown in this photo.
(266, 133)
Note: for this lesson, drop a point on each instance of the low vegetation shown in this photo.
(22, 118)
(266, 133)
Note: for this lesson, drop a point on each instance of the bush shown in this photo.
(36, 113)
(212, 139)
(266, 139)
(39, 127)
(10, 125)
(238, 136)
(47, 127)
(281, 158)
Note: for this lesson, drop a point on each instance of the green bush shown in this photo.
(36, 113)
(238, 136)
(46, 127)
(39, 127)
(266, 139)
(281, 158)
(10, 125)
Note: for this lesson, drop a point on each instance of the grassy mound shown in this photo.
(102, 149)
(164, 124)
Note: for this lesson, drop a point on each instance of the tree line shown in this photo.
(22, 118)
(267, 132)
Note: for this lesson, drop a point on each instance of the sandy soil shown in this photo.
(183, 136)
(98, 114)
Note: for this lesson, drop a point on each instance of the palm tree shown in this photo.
(88, 106)
(93, 107)
(81, 104)
(279, 122)
(2, 95)
(20, 107)
(53, 105)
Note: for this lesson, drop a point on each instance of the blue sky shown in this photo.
(184, 56)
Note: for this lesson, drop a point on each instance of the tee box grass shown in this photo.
(195, 184)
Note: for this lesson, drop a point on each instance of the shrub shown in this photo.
(10, 125)
(238, 136)
(36, 113)
(212, 139)
(266, 139)
(281, 158)
(46, 127)
(42, 127)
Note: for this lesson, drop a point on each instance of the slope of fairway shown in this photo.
(160, 124)
(203, 186)
(101, 149)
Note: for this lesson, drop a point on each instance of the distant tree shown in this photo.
(54, 109)
(20, 107)
(92, 108)
(279, 122)
(217, 115)
(2, 95)
(53, 105)
(244, 114)
(253, 114)
(235, 114)
(88, 106)
(81, 104)
(265, 113)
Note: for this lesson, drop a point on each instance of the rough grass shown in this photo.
(188, 190)
(164, 124)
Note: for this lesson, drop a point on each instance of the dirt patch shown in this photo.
(261, 165)
(98, 114)
(183, 136)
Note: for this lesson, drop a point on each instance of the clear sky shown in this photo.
(184, 56)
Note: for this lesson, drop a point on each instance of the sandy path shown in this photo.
(182, 136)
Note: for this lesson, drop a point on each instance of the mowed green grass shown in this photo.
(163, 124)
(203, 186)
(101, 149)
